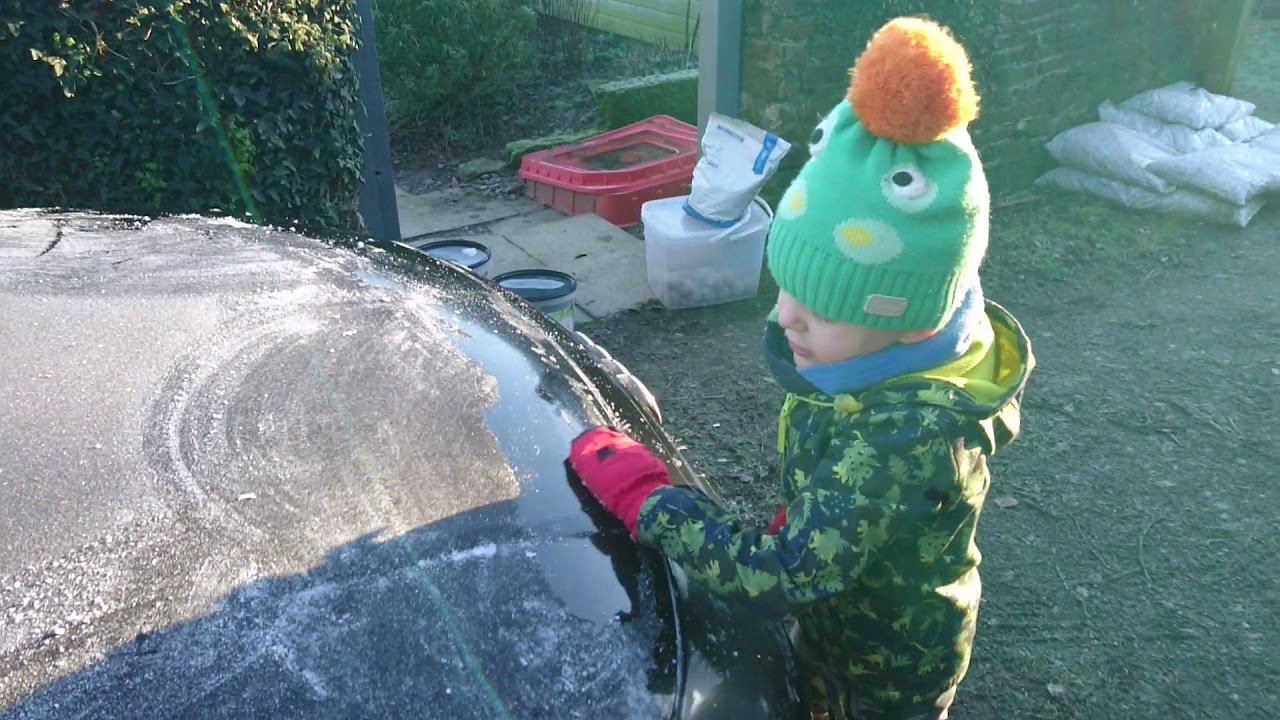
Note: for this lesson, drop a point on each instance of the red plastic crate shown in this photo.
(614, 174)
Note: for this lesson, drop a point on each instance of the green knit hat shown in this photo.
(887, 223)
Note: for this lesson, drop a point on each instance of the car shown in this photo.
(248, 473)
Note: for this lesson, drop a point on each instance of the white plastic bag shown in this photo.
(1179, 202)
(1236, 173)
(737, 159)
(1185, 104)
(1246, 128)
(1112, 151)
(1180, 138)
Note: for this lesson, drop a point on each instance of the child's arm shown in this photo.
(863, 491)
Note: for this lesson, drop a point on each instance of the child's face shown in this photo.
(816, 340)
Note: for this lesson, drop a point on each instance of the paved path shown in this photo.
(607, 261)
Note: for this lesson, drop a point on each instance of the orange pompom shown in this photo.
(913, 83)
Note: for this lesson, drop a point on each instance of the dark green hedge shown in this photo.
(176, 106)
(623, 102)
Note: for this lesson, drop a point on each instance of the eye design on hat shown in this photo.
(867, 241)
(906, 188)
(821, 135)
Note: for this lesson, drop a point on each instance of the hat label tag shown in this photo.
(885, 306)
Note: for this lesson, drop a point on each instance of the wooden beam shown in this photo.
(1218, 29)
(1232, 46)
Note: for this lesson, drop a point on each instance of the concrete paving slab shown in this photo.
(514, 227)
(607, 262)
(508, 256)
(505, 255)
(454, 208)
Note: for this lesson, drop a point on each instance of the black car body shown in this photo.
(244, 473)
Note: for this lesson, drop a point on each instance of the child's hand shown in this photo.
(779, 520)
(620, 472)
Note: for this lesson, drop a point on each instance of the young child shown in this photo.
(902, 381)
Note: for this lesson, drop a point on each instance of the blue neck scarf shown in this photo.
(860, 373)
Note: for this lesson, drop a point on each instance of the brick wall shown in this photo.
(1041, 66)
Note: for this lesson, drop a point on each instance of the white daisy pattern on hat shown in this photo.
(867, 241)
(795, 202)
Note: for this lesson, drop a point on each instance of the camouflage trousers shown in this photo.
(829, 699)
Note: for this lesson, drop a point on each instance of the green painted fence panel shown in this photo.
(672, 23)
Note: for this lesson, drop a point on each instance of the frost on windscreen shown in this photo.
(545, 656)
(387, 627)
(341, 405)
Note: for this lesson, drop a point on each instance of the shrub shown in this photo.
(171, 106)
(563, 34)
(452, 69)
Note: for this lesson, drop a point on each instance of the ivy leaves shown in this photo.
(174, 106)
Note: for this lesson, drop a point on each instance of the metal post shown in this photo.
(378, 191)
(719, 59)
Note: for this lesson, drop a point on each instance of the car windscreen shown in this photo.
(251, 474)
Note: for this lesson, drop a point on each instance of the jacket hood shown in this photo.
(985, 383)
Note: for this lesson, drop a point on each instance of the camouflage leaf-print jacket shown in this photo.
(883, 491)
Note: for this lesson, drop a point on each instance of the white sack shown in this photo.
(1179, 138)
(1267, 141)
(1236, 173)
(1180, 202)
(1246, 128)
(1112, 151)
(1185, 104)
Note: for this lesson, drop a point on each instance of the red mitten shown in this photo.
(620, 472)
(779, 520)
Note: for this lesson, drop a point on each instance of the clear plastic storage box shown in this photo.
(691, 263)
